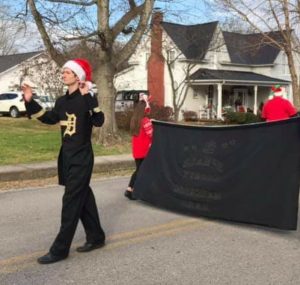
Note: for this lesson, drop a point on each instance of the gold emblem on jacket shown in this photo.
(70, 124)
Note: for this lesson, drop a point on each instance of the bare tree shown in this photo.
(235, 25)
(9, 28)
(179, 89)
(175, 59)
(267, 16)
(63, 21)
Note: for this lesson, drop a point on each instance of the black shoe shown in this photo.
(50, 258)
(90, 246)
(129, 195)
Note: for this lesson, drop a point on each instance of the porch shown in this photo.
(227, 90)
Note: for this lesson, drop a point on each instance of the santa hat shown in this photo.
(81, 67)
(144, 97)
(277, 90)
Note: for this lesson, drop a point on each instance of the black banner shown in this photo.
(246, 173)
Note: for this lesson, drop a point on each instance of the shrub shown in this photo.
(190, 116)
(242, 118)
(161, 113)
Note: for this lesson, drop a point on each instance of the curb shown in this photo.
(102, 164)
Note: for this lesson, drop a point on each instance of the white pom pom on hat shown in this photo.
(277, 90)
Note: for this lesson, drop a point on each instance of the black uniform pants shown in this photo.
(78, 200)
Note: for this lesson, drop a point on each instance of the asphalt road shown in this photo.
(145, 245)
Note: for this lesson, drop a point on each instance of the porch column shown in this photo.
(255, 100)
(219, 103)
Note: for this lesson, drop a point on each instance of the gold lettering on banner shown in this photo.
(70, 124)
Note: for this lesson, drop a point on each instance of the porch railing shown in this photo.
(208, 112)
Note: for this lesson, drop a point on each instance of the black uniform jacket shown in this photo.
(77, 114)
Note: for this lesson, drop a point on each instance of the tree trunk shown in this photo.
(296, 95)
(294, 77)
(176, 114)
(104, 77)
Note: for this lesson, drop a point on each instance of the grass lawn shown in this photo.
(25, 141)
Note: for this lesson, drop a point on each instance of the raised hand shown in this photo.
(83, 87)
(27, 92)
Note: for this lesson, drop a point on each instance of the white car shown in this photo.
(125, 99)
(45, 101)
(12, 103)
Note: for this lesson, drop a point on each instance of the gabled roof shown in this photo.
(192, 40)
(243, 77)
(9, 61)
(251, 48)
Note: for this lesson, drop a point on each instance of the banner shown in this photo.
(246, 173)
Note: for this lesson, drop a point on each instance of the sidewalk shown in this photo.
(103, 164)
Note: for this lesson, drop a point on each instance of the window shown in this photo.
(119, 97)
(12, 96)
(3, 97)
(241, 95)
(196, 93)
(127, 96)
(35, 96)
(171, 57)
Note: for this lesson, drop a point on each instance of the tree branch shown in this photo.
(58, 57)
(129, 48)
(78, 38)
(245, 13)
(126, 19)
(132, 4)
(79, 3)
(186, 88)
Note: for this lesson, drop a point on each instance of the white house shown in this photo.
(213, 67)
(36, 66)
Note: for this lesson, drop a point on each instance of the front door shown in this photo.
(241, 95)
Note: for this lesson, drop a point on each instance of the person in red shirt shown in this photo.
(278, 108)
(141, 129)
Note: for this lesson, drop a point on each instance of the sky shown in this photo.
(177, 11)
(188, 12)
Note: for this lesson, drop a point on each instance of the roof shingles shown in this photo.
(251, 48)
(230, 75)
(248, 49)
(9, 61)
(193, 40)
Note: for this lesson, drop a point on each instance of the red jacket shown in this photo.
(141, 143)
(278, 108)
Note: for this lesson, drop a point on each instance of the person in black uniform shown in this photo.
(77, 112)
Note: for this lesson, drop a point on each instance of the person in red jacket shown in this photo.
(278, 108)
(141, 129)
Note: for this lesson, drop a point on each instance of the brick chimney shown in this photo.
(156, 62)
